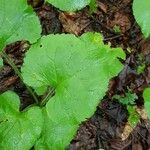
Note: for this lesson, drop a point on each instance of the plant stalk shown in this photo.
(14, 67)
(49, 94)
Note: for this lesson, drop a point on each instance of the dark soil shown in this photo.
(108, 126)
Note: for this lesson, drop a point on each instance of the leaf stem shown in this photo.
(50, 94)
(14, 67)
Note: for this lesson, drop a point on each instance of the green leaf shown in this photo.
(141, 10)
(117, 29)
(133, 116)
(128, 99)
(18, 130)
(141, 68)
(79, 69)
(146, 96)
(69, 5)
(93, 6)
(17, 22)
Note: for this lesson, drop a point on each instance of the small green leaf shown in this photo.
(79, 69)
(141, 68)
(128, 99)
(93, 6)
(141, 10)
(17, 22)
(146, 96)
(69, 5)
(18, 130)
(133, 116)
(117, 29)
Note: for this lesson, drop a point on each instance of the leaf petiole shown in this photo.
(14, 67)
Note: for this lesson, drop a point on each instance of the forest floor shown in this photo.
(108, 127)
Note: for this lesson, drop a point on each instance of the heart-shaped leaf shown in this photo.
(18, 130)
(79, 69)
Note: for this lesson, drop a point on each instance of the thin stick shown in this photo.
(14, 67)
(113, 37)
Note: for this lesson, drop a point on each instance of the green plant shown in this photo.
(142, 15)
(93, 6)
(73, 5)
(69, 5)
(78, 69)
(146, 96)
(17, 22)
(71, 73)
(18, 130)
(129, 101)
(141, 64)
(117, 29)
(134, 117)
(141, 68)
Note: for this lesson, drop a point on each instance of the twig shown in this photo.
(113, 37)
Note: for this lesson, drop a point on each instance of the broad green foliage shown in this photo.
(17, 22)
(141, 10)
(146, 96)
(69, 5)
(18, 130)
(79, 69)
